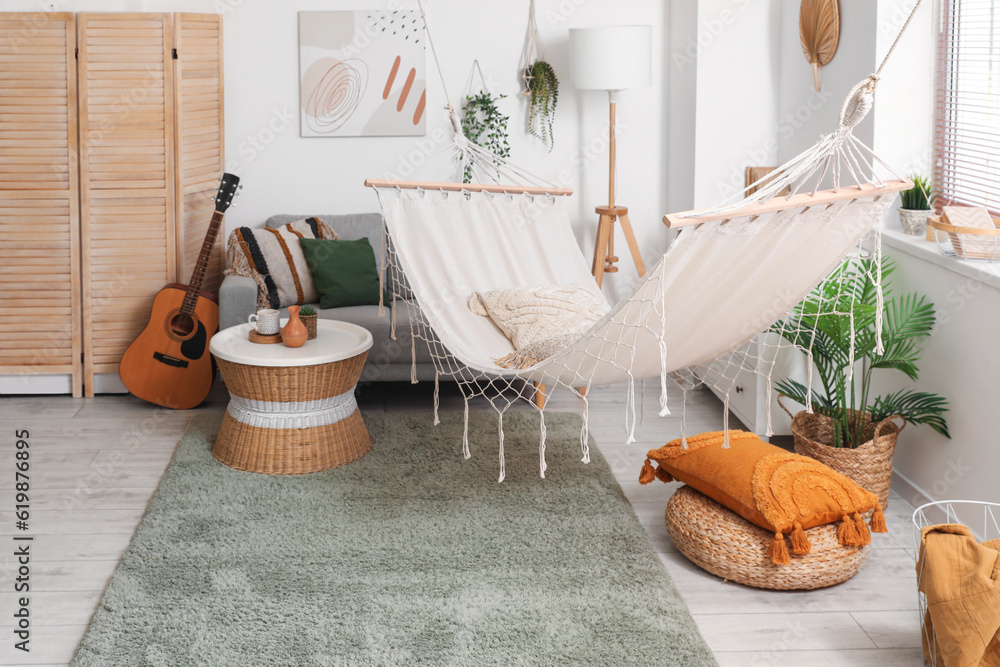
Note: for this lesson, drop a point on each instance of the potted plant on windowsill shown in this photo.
(848, 429)
(915, 206)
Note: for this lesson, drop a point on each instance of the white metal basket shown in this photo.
(981, 517)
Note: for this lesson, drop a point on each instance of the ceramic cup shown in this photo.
(266, 321)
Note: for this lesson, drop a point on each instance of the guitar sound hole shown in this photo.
(182, 324)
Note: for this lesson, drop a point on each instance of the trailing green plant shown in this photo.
(484, 125)
(306, 311)
(543, 87)
(822, 324)
(920, 197)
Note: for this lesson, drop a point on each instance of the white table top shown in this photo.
(335, 341)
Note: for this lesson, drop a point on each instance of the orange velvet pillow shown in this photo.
(766, 485)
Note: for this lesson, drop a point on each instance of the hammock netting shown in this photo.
(713, 308)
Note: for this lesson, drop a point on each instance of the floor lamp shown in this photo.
(611, 58)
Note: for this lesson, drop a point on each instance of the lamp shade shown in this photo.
(611, 57)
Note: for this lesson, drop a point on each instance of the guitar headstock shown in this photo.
(229, 184)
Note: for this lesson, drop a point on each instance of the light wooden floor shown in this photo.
(96, 462)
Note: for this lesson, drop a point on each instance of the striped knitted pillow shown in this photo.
(273, 258)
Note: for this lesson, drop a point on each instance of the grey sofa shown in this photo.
(388, 360)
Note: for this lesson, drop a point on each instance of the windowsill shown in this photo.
(918, 246)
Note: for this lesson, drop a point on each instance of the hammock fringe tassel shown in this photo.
(542, 466)
(503, 460)
(437, 397)
(465, 433)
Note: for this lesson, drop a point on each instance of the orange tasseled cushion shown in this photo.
(779, 491)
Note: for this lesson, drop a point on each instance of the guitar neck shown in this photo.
(201, 266)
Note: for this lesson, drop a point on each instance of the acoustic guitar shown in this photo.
(169, 363)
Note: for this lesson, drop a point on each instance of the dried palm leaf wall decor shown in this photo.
(819, 29)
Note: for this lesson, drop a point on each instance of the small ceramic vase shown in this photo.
(294, 333)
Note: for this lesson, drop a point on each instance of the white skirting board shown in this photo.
(57, 383)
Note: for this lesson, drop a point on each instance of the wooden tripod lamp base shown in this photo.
(604, 248)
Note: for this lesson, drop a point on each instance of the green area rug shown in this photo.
(408, 556)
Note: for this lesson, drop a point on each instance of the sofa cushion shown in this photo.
(529, 314)
(274, 259)
(354, 226)
(344, 272)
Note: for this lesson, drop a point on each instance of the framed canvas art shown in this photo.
(361, 73)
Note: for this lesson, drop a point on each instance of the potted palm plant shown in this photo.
(848, 428)
(915, 206)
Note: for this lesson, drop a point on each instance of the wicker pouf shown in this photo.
(720, 541)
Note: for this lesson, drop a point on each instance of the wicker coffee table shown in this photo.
(292, 410)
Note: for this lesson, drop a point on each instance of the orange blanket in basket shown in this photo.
(961, 579)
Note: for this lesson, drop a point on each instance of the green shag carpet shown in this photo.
(409, 556)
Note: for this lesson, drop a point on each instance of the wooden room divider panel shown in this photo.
(39, 210)
(111, 140)
(198, 95)
(126, 178)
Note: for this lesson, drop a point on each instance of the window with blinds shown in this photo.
(967, 125)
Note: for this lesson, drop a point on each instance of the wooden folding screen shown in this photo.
(39, 210)
(111, 140)
(127, 203)
(198, 105)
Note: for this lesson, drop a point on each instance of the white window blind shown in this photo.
(967, 126)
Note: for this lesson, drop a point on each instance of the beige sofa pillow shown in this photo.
(529, 314)
(273, 258)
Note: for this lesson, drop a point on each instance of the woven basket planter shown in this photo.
(310, 322)
(869, 465)
(720, 541)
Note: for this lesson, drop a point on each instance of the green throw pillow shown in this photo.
(344, 271)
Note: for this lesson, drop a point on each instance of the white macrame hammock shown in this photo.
(696, 317)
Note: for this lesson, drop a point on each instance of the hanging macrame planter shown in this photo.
(482, 122)
(541, 85)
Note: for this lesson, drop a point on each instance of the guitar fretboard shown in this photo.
(198, 274)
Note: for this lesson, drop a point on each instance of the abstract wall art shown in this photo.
(362, 73)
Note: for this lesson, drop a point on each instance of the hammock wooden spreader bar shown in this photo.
(469, 187)
(802, 200)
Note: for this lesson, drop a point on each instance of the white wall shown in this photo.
(803, 113)
(904, 115)
(680, 121)
(960, 363)
(737, 92)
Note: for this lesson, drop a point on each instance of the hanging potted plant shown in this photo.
(484, 125)
(915, 206)
(543, 90)
(541, 85)
(848, 429)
